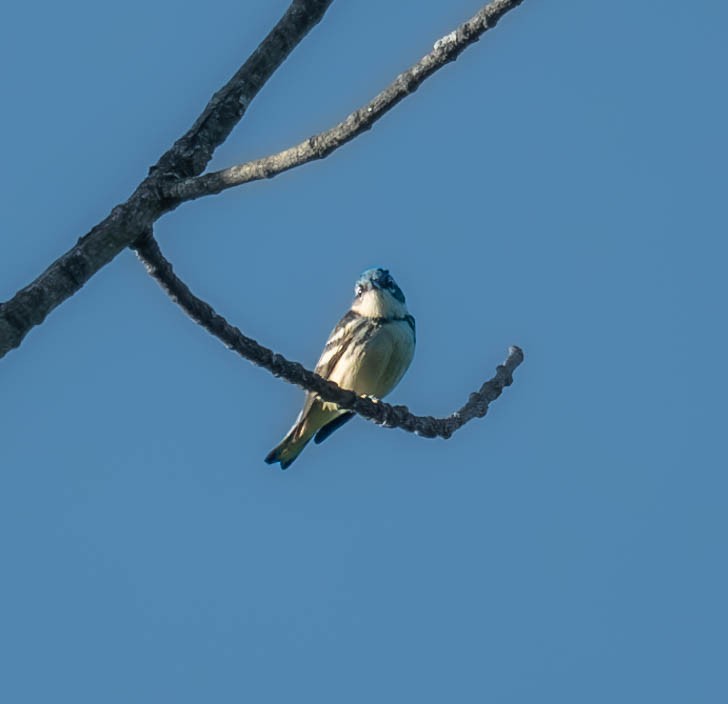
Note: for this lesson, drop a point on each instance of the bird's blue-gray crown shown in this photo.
(380, 279)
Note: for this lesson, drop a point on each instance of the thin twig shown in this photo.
(445, 50)
(379, 412)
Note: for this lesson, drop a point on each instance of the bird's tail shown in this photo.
(290, 447)
(313, 420)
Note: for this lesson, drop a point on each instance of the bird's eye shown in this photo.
(358, 290)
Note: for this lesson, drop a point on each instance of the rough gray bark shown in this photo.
(377, 411)
(173, 179)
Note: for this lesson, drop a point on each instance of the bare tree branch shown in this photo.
(191, 154)
(188, 157)
(377, 411)
(446, 49)
(162, 190)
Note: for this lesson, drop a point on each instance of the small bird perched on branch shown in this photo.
(368, 352)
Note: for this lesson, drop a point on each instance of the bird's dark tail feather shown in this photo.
(329, 428)
(286, 454)
(288, 449)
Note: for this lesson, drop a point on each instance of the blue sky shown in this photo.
(560, 187)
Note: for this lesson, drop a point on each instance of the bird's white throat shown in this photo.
(376, 303)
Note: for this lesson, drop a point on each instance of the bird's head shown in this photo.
(378, 296)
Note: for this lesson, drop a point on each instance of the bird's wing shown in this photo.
(334, 349)
(346, 330)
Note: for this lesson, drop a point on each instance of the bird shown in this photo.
(367, 352)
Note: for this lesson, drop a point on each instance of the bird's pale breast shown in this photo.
(375, 368)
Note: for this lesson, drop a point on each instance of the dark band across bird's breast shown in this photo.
(354, 330)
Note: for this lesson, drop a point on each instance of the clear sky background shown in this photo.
(562, 187)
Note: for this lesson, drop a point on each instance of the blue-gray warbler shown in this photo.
(368, 352)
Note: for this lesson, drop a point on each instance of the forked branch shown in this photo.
(187, 157)
(176, 176)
